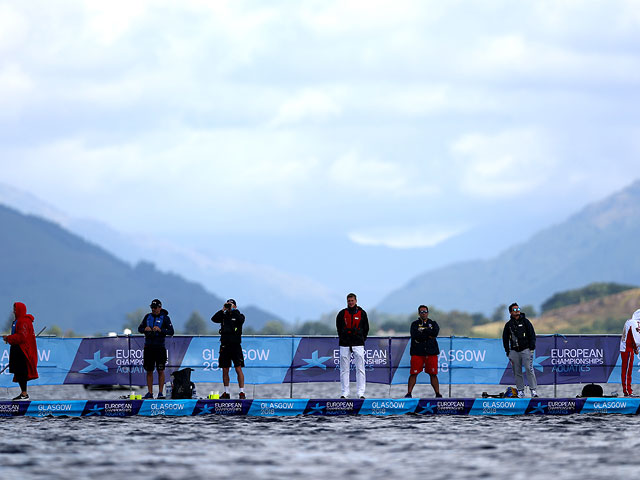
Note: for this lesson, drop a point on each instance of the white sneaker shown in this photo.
(534, 393)
(520, 394)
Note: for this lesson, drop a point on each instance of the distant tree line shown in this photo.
(584, 294)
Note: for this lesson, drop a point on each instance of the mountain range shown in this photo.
(67, 281)
(298, 275)
(80, 272)
(597, 244)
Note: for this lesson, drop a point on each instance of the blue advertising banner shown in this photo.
(462, 360)
(558, 359)
(267, 359)
(118, 360)
(318, 360)
(325, 407)
(55, 358)
(573, 359)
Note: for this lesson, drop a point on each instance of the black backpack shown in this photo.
(592, 390)
(182, 386)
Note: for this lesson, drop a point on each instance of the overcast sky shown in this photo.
(396, 123)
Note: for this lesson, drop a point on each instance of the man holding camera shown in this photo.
(230, 320)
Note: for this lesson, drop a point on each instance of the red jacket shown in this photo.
(26, 338)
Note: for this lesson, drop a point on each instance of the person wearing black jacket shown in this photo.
(352, 325)
(424, 350)
(231, 321)
(519, 340)
(155, 326)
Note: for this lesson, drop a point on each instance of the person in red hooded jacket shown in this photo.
(23, 355)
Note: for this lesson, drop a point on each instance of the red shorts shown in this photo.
(429, 363)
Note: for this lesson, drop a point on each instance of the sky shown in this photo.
(260, 131)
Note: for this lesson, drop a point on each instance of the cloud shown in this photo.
(299, 108)
(351, 171)
(15, 87)
(308, 105)
(504, 164)
(13, 27)
(404, 237)
(109, 21)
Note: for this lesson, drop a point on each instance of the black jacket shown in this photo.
(518, 335)
(423, 341)
(156, 338)
(230, 325)
(351, 337)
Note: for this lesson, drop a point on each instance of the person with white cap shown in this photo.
(629, 346)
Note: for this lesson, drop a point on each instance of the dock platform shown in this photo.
(277, 407)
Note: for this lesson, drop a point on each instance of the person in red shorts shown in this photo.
(424, 350)
(629, 344)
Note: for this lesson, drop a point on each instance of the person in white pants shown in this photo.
(352, 325)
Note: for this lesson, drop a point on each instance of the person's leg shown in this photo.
(623, 377)
(435, 383)
(161, 363)
(160, 381)
(431, 368)
(224, 362)
(412, 382)
(627, 372)
(150, 381)
(361, 376)
(240, 375)
(149, 363)
(345, 368)
(630, 372)
(416, 365)
(527, 360)
(21, 380)
(516, 365)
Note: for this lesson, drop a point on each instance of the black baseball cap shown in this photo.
(155, 303)
(231, 300)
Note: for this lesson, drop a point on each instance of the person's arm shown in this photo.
(365, 325)
(635, 335)
(167, 327)
(421, 334)
(339, 323)
(413, 331)
(623, 337)
(18, 337)
(505, 338)
(532, 335)
(239, 317)
(143, 325)
(218, 317)
(434, 330)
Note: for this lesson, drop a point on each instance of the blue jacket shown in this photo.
(163, 321)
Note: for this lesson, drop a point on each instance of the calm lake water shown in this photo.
(357, 447)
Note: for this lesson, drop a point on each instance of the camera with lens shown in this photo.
(227, 306)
